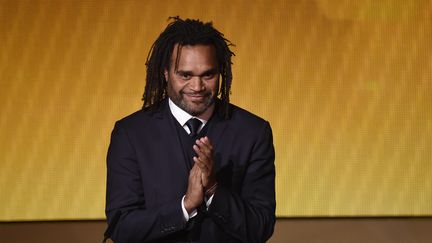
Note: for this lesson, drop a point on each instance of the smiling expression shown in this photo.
(194, 85)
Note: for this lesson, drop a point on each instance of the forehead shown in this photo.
(188, 56)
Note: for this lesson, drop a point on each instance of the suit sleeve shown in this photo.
(125, 198)
(249, 216)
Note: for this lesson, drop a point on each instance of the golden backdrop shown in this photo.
(346, 86)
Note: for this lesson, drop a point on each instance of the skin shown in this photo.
(193, 86)
(204, 149)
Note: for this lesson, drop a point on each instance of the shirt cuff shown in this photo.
(187, 215)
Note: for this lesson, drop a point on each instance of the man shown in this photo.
(189, 166)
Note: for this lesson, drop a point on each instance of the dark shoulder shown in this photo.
(139, 118)
(245, 126)
(242, 116)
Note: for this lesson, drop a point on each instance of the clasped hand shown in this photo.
(201, 176)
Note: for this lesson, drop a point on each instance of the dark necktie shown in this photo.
(193, 124)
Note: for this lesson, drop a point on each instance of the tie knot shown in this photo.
(193, 124)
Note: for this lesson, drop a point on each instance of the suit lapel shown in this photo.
(217, 127)
(170, 140)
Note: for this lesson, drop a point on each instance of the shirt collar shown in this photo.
(180, 115)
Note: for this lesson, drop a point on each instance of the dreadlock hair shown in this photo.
(186, 32)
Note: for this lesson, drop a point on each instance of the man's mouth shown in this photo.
(196, 97)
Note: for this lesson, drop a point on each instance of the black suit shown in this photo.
(148, 176)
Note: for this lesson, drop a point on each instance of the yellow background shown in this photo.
(346, 86)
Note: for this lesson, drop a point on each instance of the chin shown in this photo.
(196, 112)
(195, 109)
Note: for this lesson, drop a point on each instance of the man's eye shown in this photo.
(208, 76)
(185, 76)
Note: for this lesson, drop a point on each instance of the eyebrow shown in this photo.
(207, 72)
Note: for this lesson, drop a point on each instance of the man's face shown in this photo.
(194, 85)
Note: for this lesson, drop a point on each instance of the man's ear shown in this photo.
(166, 75)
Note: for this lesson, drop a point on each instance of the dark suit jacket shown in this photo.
(148, 176)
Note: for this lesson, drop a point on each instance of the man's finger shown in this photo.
(200, 164)
(196, 176)
(206, 140)
(204, 147)
(203, 156)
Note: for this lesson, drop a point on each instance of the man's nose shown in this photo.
(196, 84)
